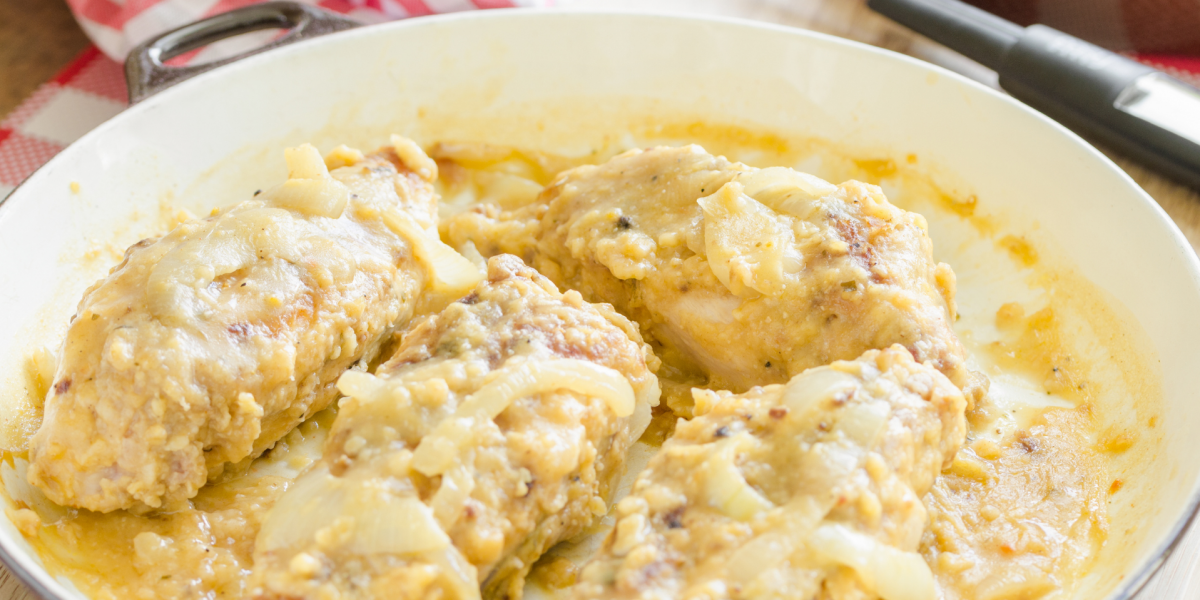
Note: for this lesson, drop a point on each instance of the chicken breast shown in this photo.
(205, 346)
(806, 490)
(738, 276)
(497, 429)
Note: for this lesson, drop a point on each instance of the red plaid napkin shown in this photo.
(92, 88)
(83, 95)
(117, 26)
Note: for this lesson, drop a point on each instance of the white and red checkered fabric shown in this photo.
(91, 89)
(117, 26)
(84, 94)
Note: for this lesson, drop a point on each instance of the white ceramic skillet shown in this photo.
(466, 69)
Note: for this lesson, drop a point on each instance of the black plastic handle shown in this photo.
(145, 71)
(1072, 81)
(980, 35)
(1078, 84)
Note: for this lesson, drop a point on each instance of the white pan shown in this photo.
(545, 77)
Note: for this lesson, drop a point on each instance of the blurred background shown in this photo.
(36, 39)
(1149, 26)
(39, 37)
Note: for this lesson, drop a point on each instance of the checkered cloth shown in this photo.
(92, 88)
(86, 93)
(118, 26)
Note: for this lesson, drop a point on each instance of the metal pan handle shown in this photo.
(145, 71)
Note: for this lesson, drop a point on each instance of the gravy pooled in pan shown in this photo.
(309, 396)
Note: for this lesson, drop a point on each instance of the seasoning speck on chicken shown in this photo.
(207, 345)
(810, 489)
(497, 429)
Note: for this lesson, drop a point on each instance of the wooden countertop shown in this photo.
(38, 37)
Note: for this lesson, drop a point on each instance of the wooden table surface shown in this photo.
(38, 37)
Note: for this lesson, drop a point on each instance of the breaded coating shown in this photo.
(207, 345)
(496, 431)
(810, 489)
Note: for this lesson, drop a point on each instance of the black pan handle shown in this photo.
(145, 71)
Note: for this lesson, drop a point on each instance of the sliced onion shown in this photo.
(460, 573)
(232, 244)
(396, 526)
(383, 524)
(717, 308)
(452, 496)
(313, 502)
(810, 389)
(786, 191)
(43, 363)
(508, 191)
(438, 451)
(470, 154)
(414, 158)
(172, 290)
(863, 422)
(717, 253)
(890, 572)
(640, 420)
(309, 189)
(759, 555)
(325, 197)
(237, 240)
(15, 481)
(343, 156)
(509, 384)
(471, 253)
(726, 489)
(449, 271)
(1016, 581)
(828, 464)
(771, 549)
(304, 162)
(361, 385)
(241, 237)
(748, 246)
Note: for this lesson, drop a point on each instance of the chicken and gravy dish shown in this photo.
(421, 372)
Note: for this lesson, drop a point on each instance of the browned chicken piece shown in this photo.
(207, 345)
(806, 490)
(497, 429)
(738, 276)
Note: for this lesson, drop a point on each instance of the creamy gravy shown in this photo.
(1022, 513)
